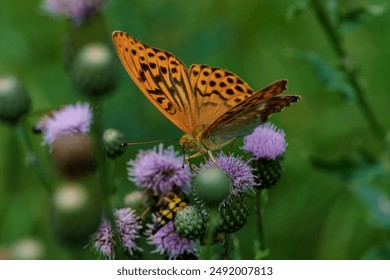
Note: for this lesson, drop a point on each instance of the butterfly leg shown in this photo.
(146, 211)
(188, 160)
(213, 159)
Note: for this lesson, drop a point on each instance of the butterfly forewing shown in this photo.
(161, 76)
(243, 118)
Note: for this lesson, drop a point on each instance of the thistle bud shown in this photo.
(27, 249)
(267, 172)
(113, 141)
(190, 222)
(93, 70)
(72, 154)
(233, 212)
(137, 200)
(76, 212)
(14, 100)
(212, 186)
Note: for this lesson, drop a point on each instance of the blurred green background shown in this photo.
(311, 213)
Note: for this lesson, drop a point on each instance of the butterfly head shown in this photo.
(189, 142)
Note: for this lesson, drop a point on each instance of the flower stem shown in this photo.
(227, 247)
(210, 234)
(334, 37)
(106, 187)
(32, 157)
(261, 251)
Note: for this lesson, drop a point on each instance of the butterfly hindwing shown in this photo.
(161, 76)
(244, 117)
(215, 91)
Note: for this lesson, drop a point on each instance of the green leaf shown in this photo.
(376, 202)
(352, 18)
(332, 78)
(296, 7)
(351, 166)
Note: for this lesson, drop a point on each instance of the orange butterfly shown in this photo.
(211, 105)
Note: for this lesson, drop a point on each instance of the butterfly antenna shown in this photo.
(146, 142)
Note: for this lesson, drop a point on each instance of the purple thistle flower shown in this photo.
(159, 170)
(77, 10)
(239, 171)
(168, 241)
(128, 226)
(68, 120)
(104, 240)
(266, 142)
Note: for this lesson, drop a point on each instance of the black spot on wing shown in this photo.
(144, 67)
(239, 88)
(230, 91)
(142, 76)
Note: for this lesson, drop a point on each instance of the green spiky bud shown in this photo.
(190, 222)
(113, 141)
(93, 70)
(233, 213)
(268, 172)
(212, 186)
(14, 99)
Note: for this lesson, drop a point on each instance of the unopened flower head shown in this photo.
(239, 171)
(68, 120)
(266, 142)
(169, 242)
(159, 170)
(77, 10)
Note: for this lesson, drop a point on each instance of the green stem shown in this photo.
(210, 234)
(227, 247)
(105, 185)
(261, 250)
(32, 157)
(334, 37)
